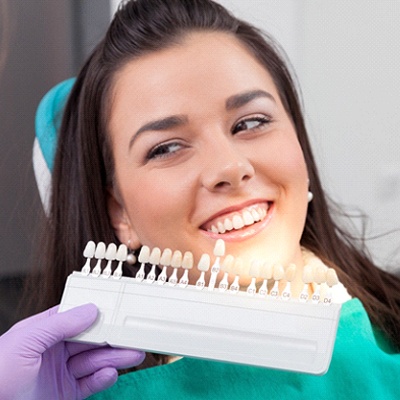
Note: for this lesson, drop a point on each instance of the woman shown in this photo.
(184, 118)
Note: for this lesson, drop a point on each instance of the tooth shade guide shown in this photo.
(121, 256)
(254, 272)
(110, 255)
(226, 266)
(331, 280)
(187, 264)
(282, 326)
(99, 254)
(88, 253)
(219, 251)
(176, 262)
(237, 270)
(143, 258)
(277, 274)
(203, 266)
(165, 262)
(317, 287)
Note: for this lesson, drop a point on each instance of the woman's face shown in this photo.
(203, 150)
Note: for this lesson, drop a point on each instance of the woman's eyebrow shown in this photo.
(241, 99)
(160, 125)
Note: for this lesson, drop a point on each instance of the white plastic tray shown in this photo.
(264, 332)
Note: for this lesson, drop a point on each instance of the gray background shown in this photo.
(44, 42)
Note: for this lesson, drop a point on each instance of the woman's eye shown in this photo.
(163, 150)
(250, 124)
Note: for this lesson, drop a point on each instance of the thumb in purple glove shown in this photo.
(36, 362)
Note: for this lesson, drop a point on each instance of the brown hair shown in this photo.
(84, 165)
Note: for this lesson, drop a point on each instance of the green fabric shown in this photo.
(363, 367)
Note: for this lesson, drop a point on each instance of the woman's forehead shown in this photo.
(202, 65)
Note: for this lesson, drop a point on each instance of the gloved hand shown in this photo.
(36, 362)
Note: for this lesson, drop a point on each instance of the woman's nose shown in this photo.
(227, 169)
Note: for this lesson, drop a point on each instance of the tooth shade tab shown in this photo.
(266, 271)
(238, 266)
(155, 255)
(227, 264)
(122, 253)
(176, 260)
(89, 249)
(255, 268)
(331, 277)
(290, 272)
(111, 252)
(166, 257)
(144, 254)
(278, 272)
(204, 263)
(307, 274)
(320, 274)
(187, 262)
(219, 249)
(100, 250)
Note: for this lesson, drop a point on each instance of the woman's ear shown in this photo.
(120, 222)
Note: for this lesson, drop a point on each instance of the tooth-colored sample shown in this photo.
(219, 249)
(320, 274)
(176, 260)
(237, 222)
(122, 252)
(166, 257)
(111, 251)
(89, 249)
(266, 271)
(278, 272)
(187, 262)
(155, 256)
(331, 277)
(227, 264)
(100, 250)
(238, 266)
(204, 263)
(290, 272)
(255, 268)
(144, 254)
(247, 218)
(307, 274)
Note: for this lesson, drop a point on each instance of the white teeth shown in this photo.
(237, 222)
(221, 227)
(228, 224)
(246, 218)
(255, 214)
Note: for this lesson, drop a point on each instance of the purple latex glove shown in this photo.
(36, 362)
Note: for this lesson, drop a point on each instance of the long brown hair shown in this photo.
(83, 168)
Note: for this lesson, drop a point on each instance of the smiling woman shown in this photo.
(184, 127)
(221, 146)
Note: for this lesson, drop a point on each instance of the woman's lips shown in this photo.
(238, 220)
